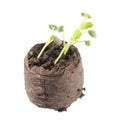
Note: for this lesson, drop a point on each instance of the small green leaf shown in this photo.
(87, 42)
(86, 25)
(92, 33)
(86, 15)
(60, 29)
(53, 27)
(77, 34)
(57, 41)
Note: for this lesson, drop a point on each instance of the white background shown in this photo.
(24, 23)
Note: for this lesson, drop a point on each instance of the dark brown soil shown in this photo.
(50, 54)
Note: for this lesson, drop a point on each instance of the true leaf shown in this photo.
(86, 25)
(87, 42)
(53, 27)
(77, 34)
(60, 29)
(86, 15)
(92, 33)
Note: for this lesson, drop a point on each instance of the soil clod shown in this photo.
(82, 95)
(62, 109)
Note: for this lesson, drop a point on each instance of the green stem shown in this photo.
(66, 48)
(44, 47)
(82, 23)
(41, 52)
(60, 55)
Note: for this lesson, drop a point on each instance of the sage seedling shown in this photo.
(52, 38)
(74, 39)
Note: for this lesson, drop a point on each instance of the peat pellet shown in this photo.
(52, 87)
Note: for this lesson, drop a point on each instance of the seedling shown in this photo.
(74, 39)
(53, 38)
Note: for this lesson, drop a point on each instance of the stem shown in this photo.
(60, 55)
(83, 22)
(41, 52)
(67, 48)
(44, 47)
